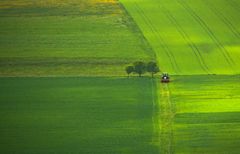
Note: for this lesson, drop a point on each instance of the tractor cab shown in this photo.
(165, 78)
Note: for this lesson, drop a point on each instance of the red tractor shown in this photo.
(165, 78)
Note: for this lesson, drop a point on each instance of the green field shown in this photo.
(207, 119)
(191, 36)
(199, 114)
(53, 38)
(61, 38)
(76, 115)
(117, 115)
(63, 87)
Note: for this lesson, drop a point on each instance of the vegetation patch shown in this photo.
(76, 115)
(190, 36)
(100, 32)
(203, 113)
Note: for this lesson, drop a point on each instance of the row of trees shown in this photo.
(140, 68)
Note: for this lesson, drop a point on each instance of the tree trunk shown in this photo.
(152, 75)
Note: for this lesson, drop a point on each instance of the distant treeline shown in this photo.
(141, 68)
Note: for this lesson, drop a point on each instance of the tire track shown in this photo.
(163, 44)
(203, 24)
(187, 38)
(166, 49)
(231, 27)
(167, 118)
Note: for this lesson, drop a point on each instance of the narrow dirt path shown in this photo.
(166, 117)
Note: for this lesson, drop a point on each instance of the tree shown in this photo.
(129, 70)
(139, 68)
(152, 68)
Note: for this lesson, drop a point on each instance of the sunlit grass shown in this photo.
(68, 38)
(190, 36)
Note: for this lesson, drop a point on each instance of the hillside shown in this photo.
(68, 38)
(63, 87)
(191, 36)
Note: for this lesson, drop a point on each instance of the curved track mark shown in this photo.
(231, 27)
(168, 52)
(224, 52)
(187, 39)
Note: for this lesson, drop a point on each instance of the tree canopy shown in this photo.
(152, 68)
(140, 68)
(129, 70)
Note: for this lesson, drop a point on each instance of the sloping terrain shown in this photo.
(195, 113)
(191, 36)
(192, 114)
(68, 38)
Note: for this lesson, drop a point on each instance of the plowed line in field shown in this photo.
(155, 32)
(166, 119)
(168, 52)
(231, 27)
(186, 37)
(224, 52)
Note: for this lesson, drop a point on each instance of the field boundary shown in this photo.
(163, 118)
(137, 29)
(167, 118)
(156, 138)
(166, 49)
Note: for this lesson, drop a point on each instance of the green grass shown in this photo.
(68, 38)
(200, 114)
(191, 36)
(76, 115)
(193, 114)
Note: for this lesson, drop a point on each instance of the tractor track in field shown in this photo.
(163, 117)
(166, 119)
(187, 39)
(168, 52)
(163, 44)
(231, 27)
(204, 25)
(162, 107)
